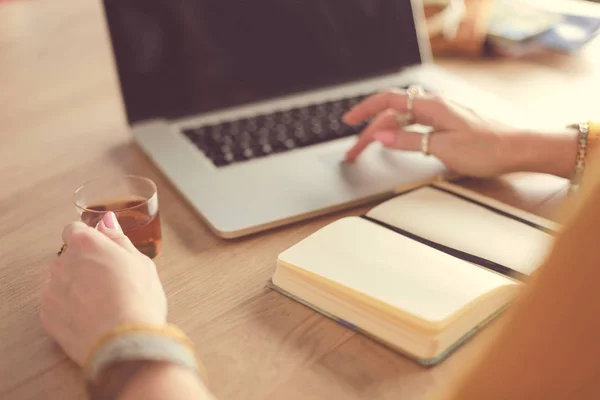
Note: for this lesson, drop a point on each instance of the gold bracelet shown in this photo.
(582, 146)
(593, 135)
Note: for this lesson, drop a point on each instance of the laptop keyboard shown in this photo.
(262, 135)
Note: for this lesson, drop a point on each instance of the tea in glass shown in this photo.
(133, 199)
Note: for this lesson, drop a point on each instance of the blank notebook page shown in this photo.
(460, 224)
(387, 266)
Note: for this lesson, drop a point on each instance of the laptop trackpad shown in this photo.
(368, 169)
(378, 165)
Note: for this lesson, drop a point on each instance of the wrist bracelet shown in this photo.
(593, 135)
(142, 343)
(582, 145)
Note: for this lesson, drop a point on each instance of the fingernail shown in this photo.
(111, 222)
(387, 138)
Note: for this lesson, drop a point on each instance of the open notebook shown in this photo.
(420, 272)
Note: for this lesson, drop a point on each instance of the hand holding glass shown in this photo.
(133, 199)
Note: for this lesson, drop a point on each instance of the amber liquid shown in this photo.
(134, 217)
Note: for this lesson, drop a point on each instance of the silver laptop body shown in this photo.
(238, 103)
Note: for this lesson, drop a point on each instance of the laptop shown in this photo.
(239, 103)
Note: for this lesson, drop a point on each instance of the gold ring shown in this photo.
(62, 249)
(425, 138)
(412, 92)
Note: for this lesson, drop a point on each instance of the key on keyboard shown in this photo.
(244, 139)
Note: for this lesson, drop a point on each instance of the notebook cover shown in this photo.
(424, 362)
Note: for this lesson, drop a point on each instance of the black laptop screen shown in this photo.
(177, 58)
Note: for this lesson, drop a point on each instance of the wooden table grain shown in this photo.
(61, 123)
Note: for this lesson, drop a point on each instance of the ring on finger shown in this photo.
(412, 92)
(425, 142)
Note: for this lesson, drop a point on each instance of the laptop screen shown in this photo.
(177, 58)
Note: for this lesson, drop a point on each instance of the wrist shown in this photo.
(112, 381)
(128, 351)
(145, 380)
(552, 153)
(159, 380)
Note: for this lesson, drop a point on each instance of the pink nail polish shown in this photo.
(386, 138)
(111, 222)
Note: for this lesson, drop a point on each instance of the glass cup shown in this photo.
(133, 199)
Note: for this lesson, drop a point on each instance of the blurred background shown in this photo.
(510, 28)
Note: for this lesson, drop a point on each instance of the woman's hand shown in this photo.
(466, 143)
(100, 281)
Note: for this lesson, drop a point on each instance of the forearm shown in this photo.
(552, 153)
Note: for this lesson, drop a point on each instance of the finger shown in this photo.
(373, 105)
(425, 107)
(110, 221)
(399, 139)
(81, 238)
(110, 227)
(70, 229)
(385, 121)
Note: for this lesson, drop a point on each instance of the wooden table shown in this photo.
(61, 123)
